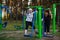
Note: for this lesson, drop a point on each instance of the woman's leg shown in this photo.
(45, 28)
(33, 26)
(48, 28)
(26, 29)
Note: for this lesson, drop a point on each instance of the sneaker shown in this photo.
(48, 33)
(45, 33)
(36, 32)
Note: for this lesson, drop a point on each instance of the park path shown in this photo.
(19, 35)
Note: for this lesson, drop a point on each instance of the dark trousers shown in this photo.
(29, 24)
(46, 27)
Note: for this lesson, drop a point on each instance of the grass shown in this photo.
(10, 25)
(3, 38)
(58, 34)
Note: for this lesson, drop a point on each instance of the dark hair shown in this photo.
(47, 11)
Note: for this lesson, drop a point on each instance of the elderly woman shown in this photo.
(29, 20)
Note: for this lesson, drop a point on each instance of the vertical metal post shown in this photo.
(0, 17)
(39, 22)
(54, 18)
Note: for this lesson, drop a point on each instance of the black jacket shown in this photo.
(47, 19)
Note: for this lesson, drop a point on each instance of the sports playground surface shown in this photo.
(19, 35)
(11, 33)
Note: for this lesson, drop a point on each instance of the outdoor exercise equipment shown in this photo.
(11, 15)
(6, 22)
(15, 25)
(39, 21)
(0, 16)
(54, 18)
(53, 21)
(23, 21)
(2, 25)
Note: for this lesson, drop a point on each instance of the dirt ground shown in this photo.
(19, 35)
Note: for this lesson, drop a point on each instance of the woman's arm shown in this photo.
(50, 13)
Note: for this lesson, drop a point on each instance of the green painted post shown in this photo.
(0, 17)
(39, 22)
(24, 20)
(54, 18)
(36, 20)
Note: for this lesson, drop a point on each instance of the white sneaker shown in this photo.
(48, 33)
(45, 33)
(25, 32)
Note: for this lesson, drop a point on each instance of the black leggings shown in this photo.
(29, 24)
(46, 27)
